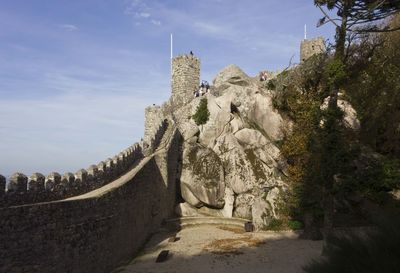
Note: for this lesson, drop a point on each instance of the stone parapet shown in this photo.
(95, 232)
(22, 189)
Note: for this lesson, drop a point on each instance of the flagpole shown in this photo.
(171, 55)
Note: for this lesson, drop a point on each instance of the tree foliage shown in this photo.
(202, 114)
(357, 16)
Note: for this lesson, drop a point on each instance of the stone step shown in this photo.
(182, 222)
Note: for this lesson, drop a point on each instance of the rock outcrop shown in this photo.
(231, 165)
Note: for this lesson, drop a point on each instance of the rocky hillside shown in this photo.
(231, 164)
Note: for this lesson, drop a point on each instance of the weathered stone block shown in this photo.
(101, 173)
(18, 183)
(93, 170)
(122, 157)
(53, 180)
(101, 167)
(68, 180)
(110, 169)
(81, 178)
(36, 183)
(2, 184)
(93, 176)
(117, 165)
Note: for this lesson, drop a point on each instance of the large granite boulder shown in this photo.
(230, 165)
(350, 119)
(231, 74)
(202, 177)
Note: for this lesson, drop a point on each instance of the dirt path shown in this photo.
(221, 249)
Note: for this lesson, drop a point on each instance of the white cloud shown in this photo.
(208, 28)
(68, 27)
(141, 11)
(156, 22)
(143, 14)
(134, 7)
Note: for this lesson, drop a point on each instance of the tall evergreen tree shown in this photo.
(352, 16)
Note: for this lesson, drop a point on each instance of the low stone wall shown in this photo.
(38, 188)
(95, 232)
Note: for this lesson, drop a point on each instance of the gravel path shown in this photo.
(221, 249)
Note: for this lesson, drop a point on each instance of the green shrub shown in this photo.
(275, 224)
(295, 225)
(202, 114)
(336, 72)
(271, 84)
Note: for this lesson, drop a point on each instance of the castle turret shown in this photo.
(311, 47)
(185, 78)
(153, 117)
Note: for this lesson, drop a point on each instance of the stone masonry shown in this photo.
(153, 118)
(185, 79)
(311, 47)
(97, 231)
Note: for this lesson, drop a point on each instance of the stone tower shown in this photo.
(185, 78)
(153, 117)
(311, 47)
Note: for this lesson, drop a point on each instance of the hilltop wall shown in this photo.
(39, 188)
(97, 231)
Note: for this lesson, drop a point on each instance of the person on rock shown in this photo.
(201, 91)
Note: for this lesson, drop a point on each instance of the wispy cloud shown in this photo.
(141, 11)
(68, 27)
(213, 29)
(134, 6)
(143, 14)
(156, 22)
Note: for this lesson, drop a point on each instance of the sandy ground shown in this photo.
(221, 249)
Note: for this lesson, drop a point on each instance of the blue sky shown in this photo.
(76, 75)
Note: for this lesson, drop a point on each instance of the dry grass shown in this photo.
(232, 245)
(235, 230)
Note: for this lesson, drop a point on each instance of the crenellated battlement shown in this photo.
(96, 231)
(22, 189)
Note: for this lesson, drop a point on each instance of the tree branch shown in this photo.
(327, 16)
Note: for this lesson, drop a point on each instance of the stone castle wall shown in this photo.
(97, 231)
(185, 79)
(153, 117)
(23, 189)
(36, 188)
(311, 47)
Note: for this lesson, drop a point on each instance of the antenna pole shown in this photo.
(305, 32)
